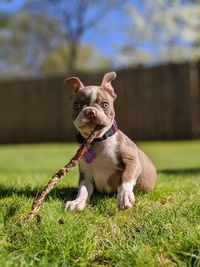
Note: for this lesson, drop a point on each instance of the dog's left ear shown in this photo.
(106, 83)
(76, 83)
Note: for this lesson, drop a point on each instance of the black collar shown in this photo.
(113, 129)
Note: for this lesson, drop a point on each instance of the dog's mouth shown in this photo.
(86, 129)
(89, 118)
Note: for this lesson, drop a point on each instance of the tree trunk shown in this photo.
(72, 64)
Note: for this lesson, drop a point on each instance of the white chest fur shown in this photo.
(103, 165)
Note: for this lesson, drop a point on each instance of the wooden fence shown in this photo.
(159, 103)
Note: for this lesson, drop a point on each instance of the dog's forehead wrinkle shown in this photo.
(87, 91)
(92, 94)
(90, 88)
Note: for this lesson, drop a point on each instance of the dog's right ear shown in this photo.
(106, 83)
(76, 83)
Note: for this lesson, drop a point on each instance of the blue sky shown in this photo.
(10, 5)
(110, 34)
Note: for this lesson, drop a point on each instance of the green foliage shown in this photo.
(162, 229)
(25, 42)
(4, 21)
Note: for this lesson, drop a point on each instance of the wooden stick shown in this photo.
(57, 176)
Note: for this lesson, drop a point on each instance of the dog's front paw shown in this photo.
(125, 196)
(76, 204)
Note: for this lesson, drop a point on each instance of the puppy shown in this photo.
(113, 163)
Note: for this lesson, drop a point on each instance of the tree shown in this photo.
(41, 30)
(24, 44)
(75, 17)
(88, 59)
(162, 31)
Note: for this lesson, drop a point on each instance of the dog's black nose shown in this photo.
(90, 113)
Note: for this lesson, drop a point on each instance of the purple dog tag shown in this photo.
(90, 155)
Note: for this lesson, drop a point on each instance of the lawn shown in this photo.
(162, 229)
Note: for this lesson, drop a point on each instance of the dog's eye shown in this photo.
(76, 106)
(105, 105)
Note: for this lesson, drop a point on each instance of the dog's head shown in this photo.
(93, 105)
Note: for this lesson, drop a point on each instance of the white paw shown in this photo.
(125, 197)
(76, 204)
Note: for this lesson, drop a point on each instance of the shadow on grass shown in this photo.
(180, 171)
(62, 193)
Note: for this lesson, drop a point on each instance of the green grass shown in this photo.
(162, 229)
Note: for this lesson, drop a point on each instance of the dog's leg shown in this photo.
(125, 196)
(86, 189)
